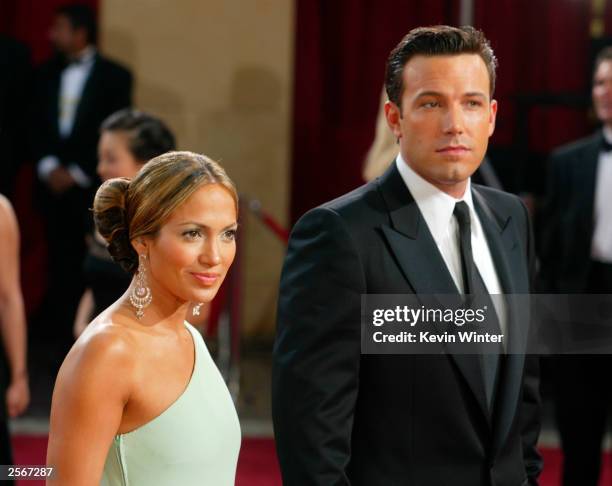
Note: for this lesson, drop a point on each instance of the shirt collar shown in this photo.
(86, 56)
(435, 205)
(607, 133)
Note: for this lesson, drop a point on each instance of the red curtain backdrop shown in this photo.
(29, 21)
(340, 53)
(543, 46)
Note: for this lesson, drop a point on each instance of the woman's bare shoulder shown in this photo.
(4, 202)
(105, 354)
(7, 214)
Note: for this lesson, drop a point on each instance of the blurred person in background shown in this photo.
(13, 368)
(75, 91)
(128, 139)
(576, 257)
(15, 85)
(139, 400)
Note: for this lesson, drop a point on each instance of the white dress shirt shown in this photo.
(437, 209)
(72, 83)
(601, 244)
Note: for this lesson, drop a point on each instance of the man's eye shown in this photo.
(430, 104)
(474, 103)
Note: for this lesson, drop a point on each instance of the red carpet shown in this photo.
(257, 465)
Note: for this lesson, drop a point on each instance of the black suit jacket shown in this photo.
(107, 89)
(344, 418)
(568, 216)
(15, 89)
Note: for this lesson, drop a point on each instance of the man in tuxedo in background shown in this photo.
(576, 257)
(346, 418)
(75, 91)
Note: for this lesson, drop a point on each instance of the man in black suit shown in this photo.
(75, 91)
(576, 257)
(346, 418)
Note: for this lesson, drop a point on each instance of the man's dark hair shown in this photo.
(439, 40)
(81, 17)
(604, 55)
(147, 135)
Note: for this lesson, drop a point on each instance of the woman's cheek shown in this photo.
(229, 256)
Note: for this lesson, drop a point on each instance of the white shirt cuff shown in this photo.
(46, 165)
(79, 176)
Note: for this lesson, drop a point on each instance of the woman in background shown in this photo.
(14, 388)
(138, 399)
(128, 139)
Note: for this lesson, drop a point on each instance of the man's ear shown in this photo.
(393, 116)
(492, 116)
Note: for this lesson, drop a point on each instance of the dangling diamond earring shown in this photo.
(140, 296)
(196, 309)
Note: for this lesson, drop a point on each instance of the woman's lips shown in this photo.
(206, 278)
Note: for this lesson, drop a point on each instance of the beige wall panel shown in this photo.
(220, 73)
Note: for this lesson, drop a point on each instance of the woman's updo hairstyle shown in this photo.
(125, 210)
(147, 135)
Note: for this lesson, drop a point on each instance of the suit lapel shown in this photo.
(54, 97)
(417, 255)
(501, 234)
(588, 174)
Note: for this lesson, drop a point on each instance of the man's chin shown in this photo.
(457, 174)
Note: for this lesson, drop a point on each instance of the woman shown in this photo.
(14, 388)
(128, 139)
(138, 399)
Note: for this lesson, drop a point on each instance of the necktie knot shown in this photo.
(462, 213)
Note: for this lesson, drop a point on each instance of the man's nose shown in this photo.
(454, 120)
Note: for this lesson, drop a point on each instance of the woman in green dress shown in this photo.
(138, 399)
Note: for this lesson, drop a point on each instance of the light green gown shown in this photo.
(193, 442)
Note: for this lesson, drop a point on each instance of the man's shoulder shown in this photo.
(50, 67)
(358, 208)
(113, 67)
(357, 205)
(577, 148)
(503, 202)
(356, 197)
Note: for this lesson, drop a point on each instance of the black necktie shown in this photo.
(605, 145)
(479, 297)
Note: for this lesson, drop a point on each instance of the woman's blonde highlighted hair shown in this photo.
(125, 210)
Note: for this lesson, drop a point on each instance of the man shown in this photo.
(576, 256)
(76, 91)
(343, 418)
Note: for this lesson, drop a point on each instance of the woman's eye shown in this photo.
(229, 235)
(192, 234)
